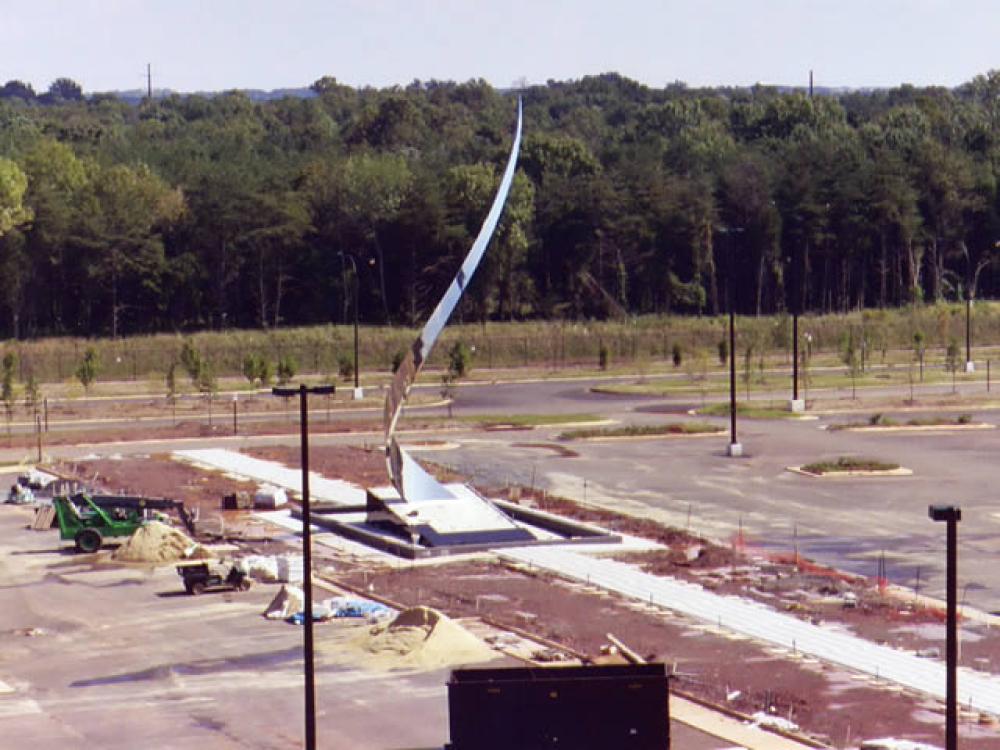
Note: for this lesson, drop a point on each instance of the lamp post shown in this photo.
(307, 623)
(735, 449)
(950, 514)
(969, 364)
(358, 392)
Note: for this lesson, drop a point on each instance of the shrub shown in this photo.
(951, 356)
(287, 367)
(191, 360)
(256, 368)
(32, 394)
(250, 365)
(87, 370)
(459, 360)
(206, 381)
(964, 419)
(345, 366)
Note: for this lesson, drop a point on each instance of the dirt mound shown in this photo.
(423, 638)
(156, 542)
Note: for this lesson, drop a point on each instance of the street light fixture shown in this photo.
(951, 515)
(307, 622)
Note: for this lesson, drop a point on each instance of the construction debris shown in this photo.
(763, 719)
(287, 602)
(156, 542)
(271, 568)
(45, 516)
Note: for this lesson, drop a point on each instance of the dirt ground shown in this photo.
(740, 675)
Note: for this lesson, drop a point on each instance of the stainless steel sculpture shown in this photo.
(410, 480)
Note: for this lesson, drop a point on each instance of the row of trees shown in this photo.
(194, 212)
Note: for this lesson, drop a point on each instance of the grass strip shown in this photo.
(673, 428)
(880, 420)
(849, 463)
(747, 410)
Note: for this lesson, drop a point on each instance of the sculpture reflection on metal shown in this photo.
(408, 477)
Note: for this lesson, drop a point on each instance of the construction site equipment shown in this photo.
(88, 520)
(201, 575)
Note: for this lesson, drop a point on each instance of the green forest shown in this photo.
(183, 213)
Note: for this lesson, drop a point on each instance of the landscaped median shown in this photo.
(882, 423)
(644, 432)
(531, 421)
(749, 411)
(851, 466)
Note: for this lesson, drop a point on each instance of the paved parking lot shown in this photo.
(849, 523)
(116, 658)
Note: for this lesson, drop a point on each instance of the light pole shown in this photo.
(735, 449)
(796, 405)
(358, 392)
(950, 514)
(969, 364)
(307, 622)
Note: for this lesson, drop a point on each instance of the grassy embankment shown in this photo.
(645, 347)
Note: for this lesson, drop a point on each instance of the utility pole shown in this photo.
(149, 81)
(303, 392)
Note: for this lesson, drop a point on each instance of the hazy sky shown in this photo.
(221, 44)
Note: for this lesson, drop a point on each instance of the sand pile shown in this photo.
(156, 542)
(423, 638)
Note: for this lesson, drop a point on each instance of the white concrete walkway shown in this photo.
(975, 690)
(268, 472)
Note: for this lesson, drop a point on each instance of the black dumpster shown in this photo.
(583, 708)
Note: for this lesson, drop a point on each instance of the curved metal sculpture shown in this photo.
(408, 477)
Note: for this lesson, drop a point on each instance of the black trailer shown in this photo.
(530, 708)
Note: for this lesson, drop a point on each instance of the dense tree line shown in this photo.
(206, 212)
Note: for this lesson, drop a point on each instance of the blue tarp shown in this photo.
(342, 606)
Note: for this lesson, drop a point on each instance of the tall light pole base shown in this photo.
(735, 450)
(359, 393)
(797, 405)
(970, 366)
